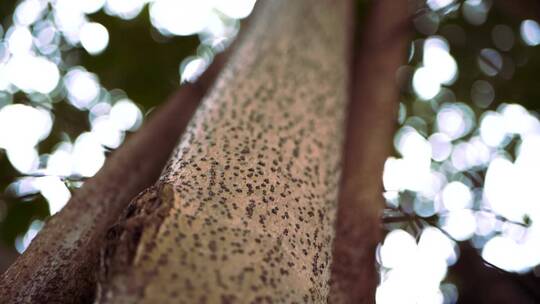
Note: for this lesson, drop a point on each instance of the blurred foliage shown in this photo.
(139, 59)
(521, 88)
(518, 84)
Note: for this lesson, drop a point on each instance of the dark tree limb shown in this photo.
(370, 128)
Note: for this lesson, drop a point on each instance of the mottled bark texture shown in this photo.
(59, 266)
(244, 210)
(370, 128)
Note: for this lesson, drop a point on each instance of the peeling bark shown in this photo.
(243, 212)
(59, 266)
(370, 129)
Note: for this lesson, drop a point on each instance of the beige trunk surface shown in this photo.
(244, 211)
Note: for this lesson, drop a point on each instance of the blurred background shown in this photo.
(78, 76)
(462, 188)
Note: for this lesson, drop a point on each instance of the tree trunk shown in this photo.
(370, 129)
(59, 266)
(244, 210)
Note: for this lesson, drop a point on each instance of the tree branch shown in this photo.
(370, 128)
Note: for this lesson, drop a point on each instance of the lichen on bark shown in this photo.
(244, 210)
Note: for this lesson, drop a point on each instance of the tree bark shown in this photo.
(243, 212)
(59, 266)
(372, 118)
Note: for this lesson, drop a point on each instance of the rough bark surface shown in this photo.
(59, 266)
(370, 129)
(244, 210)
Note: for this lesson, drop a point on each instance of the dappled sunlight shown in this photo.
(94, 37)
(411, 270)
(54, 190)
(22, 242)
(530, 32)
(438, 68)
(32, 125)
(82, 87)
